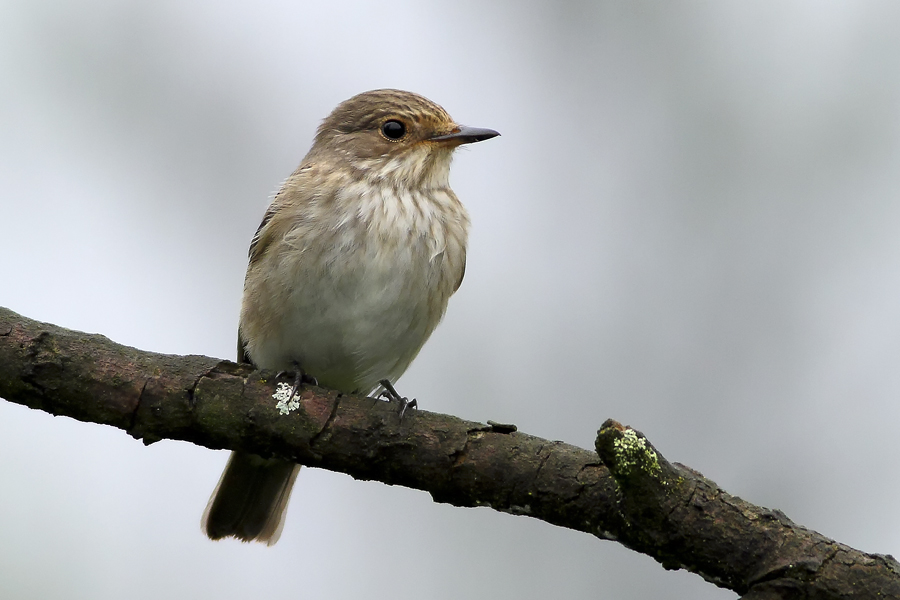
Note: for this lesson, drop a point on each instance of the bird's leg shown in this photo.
(391, 394)
(299, 379)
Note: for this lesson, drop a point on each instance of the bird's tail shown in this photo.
(250, 500)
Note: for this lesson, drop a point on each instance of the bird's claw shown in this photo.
(406, 403)
(391, 394)
(299, 378)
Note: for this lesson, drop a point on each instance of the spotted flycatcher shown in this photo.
(350, 271)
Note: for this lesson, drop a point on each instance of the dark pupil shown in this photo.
(393, 130)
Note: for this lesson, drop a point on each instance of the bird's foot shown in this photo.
(391, 394)
(299, 379)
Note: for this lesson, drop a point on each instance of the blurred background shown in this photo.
(690, 224)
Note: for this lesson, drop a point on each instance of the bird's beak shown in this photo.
(465, 135)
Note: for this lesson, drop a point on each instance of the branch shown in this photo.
(626, 491)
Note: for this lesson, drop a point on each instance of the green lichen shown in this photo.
(634, 454)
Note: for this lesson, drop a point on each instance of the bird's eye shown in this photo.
(393, 129)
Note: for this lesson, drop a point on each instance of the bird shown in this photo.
(349, 273)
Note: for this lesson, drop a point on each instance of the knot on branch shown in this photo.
(654, 496)
(626, 452)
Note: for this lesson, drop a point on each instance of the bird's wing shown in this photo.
(272, 226)
(462, 275)
(242, 356)
(260, 240)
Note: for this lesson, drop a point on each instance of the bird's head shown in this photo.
(393, 135)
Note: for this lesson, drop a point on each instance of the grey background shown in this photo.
(691, 224)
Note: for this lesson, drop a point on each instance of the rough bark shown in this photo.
(625, 491)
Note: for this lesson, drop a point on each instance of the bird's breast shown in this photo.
(353, 293)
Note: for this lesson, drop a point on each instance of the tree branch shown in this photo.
(626, 491)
